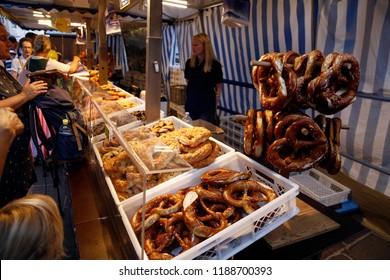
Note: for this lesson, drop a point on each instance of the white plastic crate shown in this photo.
(320, 187)
(239, 235)
(234, 131)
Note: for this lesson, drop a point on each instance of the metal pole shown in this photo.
(103, 71)
(153, 61)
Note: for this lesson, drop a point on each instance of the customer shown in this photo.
(39, 60)
(19, 63)
(203, 73)
(31, 228)
(18, 174)
(10, 127)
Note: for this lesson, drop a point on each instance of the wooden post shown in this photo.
(88, 46)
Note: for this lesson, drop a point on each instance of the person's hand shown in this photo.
(10, 124)
(32, 90)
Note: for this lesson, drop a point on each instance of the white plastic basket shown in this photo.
(234, 132)
(320, 187)
(241, 234)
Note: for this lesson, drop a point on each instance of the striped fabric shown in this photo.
(235, 47)
(168, 53)
(116, 43)
(363, 29)
(358, 27)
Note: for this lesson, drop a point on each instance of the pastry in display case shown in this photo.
(168, 145)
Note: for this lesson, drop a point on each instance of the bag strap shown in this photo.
(76, 127)
(37, 133)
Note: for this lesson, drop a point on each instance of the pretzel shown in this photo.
(258, 145)
(223, 176)
(157, 238)
(269, 119)
(296, 151)
(209, 194)
(210, 158)
(162, 205)
(249, 131)
(272, 87)
(198, 153)
(251, 192)
(199, 228)
(285, 121)
(306, 69)
(336, 87)
(332, 160)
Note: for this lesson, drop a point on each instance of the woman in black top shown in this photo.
(203, 73)
(18, 174)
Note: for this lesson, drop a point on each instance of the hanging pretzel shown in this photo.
(302, 147)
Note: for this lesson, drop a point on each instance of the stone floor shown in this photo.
(366, 245)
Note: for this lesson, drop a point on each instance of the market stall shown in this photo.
(149, 168)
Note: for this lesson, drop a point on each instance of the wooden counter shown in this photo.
(99, 228)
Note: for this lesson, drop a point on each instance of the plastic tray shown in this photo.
(241, 234)
(320, 187)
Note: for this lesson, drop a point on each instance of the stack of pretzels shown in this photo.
(284, 136)
(292, 141)
(326, 84)
(177, 222)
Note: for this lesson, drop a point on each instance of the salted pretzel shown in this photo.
(162, 205)
(285, 121)
(307, 68)
(273, 91)
(223, 176)
(251, 192)
(202, 228)
(332, 160)
(298, 151)
(336, 87)
(249, 131)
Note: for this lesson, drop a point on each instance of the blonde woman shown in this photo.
(203, 73)
(31, 228)
(40, 61)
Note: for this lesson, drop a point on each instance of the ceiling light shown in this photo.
(181, 2)
(174, 5)
(75, 24)
(38, 15)
(44, 22)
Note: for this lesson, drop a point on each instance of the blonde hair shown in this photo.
(31, 228)
(42, 43)
(209, 54)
